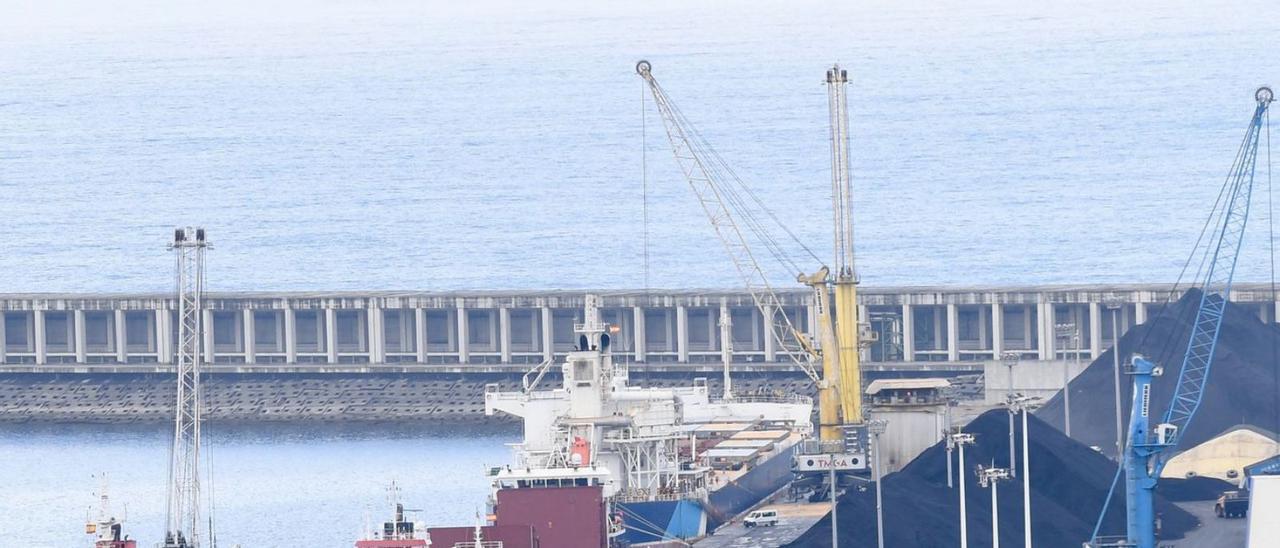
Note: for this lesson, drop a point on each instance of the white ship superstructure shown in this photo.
(639, 444)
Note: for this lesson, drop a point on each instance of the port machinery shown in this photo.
(738, 216)
(1148, 449)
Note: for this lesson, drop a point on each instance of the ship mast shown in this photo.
(182, 509)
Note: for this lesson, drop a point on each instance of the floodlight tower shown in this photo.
(182, 509)
(989, 477)
(1011, 360)
(961, 439)
(1021, 404)
(877, 427)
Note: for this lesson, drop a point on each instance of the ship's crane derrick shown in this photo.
(1149, 447)
(704, 172)
(728, 207)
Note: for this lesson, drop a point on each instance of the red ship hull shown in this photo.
(410, 543)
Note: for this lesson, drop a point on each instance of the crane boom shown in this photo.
(847, 325)
(696, 163)
(1217, 281)
(1149, 448)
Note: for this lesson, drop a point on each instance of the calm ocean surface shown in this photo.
(274, 487)
(400, 144)
(460, 145)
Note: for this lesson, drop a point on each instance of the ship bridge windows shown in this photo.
(540, 483)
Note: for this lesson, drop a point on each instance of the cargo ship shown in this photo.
(625, 465)
(398, 532)
(108, 531)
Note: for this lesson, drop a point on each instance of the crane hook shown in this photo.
(642, 68)
(1263, 95)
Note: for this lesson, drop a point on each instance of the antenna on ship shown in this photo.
(182, 508)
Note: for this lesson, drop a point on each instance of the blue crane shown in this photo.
(1148, 451)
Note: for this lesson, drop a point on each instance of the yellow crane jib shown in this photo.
(829, 399)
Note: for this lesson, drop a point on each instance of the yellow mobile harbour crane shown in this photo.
(734, 212)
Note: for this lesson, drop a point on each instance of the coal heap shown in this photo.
(1068, 484)
(1242, 386)
(1199, 488)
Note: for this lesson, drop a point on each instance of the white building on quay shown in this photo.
(919, 327)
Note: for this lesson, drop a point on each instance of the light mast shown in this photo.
(182, 509)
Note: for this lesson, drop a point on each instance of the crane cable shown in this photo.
(740, 197)
(1271, 239)
(644, 183)
(1215, 214)
(1199, 249)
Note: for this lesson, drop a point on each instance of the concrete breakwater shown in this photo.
(322, 397)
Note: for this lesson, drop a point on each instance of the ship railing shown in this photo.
(771, 398)
(1110, 542)
(643, 496)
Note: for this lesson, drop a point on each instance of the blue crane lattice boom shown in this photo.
(1148, 451)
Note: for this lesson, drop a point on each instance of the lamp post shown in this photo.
(947, 431)
(1064, 332)
(1113, 304)
(989, 477)
(877, 427)
(961, 439)
(835, 531)
(1010, 360)
(1020, 404)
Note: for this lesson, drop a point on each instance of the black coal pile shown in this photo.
(1069, 482)
(1198, 488)
(1242, 386)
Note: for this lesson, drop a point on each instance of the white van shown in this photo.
(761, 518)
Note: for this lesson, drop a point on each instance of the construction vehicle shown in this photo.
(1150, 448)
(735, 212)
(1232, 504)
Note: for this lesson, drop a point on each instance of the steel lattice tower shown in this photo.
(182, 509)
